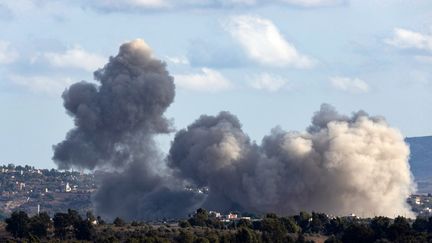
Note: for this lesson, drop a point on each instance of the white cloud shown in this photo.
(42, 84)
(354, 85)
(178, 60)
(131, 4)
(313, 3)
(424, 59)
(7, 54)
(75, 58)
(269, 82)
(263, 43)
(403, 38)
(208, 80)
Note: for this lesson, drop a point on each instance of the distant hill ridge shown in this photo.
(421, 161)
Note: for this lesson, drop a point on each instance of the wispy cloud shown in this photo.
(178, 60)
(263, 42)
(269, 82)
(354, 85)
(5, 12)
(407, 39)
(75, 58)
(7, 53)
(42, 84)
(134, 5)
(423, 59)
(208, 80)
(314, 3)
(115, 5)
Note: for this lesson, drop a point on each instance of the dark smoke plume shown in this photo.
(339, 165)
(115, 125)
(134, 92)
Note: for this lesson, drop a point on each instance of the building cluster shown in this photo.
(421, 204)
(227, 217)
(29, 189)
(26, 188)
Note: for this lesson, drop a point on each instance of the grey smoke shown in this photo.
(134, 92)
(115, 125)
(341, 164)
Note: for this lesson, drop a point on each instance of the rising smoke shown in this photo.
(115, 126)
(339, 165)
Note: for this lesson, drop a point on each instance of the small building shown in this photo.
(215, 214)
(231, 216)
(67, 187)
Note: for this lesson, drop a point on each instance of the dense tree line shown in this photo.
(63, 225)
(205, 228)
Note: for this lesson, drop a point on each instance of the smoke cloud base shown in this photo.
(339, 165)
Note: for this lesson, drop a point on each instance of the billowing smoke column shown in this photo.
(116, 118)
(340, 165)
(115, 125)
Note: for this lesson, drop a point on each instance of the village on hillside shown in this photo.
(34, 190)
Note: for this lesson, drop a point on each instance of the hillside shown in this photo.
(421, 161)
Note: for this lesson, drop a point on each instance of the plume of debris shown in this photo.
(115, 125)
(339, 165)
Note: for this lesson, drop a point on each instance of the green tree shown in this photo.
(212, 237)
(380, 226)
(201, 240)
(185, 236)
(273, 229)
(61, 225)
(90, 216)
(244, 223)
(200, 218)
(39, 225)
(303, 220)
(318, 222)
(84, 230)
(245, 235)
(399, 228)
(358, 233)
(336, 226)
(18, 224)
(290, 224)
(421, 224)
(184, 224)
(332, 239)
(74, 217)
(118, 222)
(100, 220)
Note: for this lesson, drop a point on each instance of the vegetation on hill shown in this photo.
(203, 227)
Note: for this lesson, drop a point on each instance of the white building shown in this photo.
(67, 187)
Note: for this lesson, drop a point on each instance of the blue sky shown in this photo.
(269, 62)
